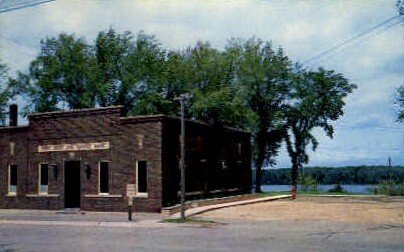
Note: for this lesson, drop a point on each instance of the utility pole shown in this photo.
(182, 99)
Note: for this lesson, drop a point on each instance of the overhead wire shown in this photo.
(349, 41)
(357, 42)
(22, 6)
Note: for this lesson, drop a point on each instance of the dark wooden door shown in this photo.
(72, 184)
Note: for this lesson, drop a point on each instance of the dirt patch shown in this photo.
(386, 210)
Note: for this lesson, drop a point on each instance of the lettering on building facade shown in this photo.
(74, 147)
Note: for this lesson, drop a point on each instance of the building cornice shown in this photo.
(76, 112)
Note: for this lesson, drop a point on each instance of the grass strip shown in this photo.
(268, 194)
(189, 220)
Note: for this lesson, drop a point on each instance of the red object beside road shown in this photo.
(294, 192)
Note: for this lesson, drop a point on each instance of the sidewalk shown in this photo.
(199, 210)
(108, 219)
(77, 218)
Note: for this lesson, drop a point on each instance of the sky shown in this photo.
(368, 50)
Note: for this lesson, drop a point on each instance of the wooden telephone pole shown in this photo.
(182, 99)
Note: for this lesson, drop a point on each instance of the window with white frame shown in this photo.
(43, 178)
(103, 178)
(12, 180)
(141, 178)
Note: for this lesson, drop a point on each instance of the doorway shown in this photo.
(72, 184)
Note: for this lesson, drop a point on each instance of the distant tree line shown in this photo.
(250, 85)
(344, 175)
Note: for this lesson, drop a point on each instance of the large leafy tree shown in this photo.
(111, 53)
(148, 75)
(316, 100)
(262, 74)
(4, 93)
(210, 78)
(60, 76)
(116, 70)
(249, 85)
(130, 72)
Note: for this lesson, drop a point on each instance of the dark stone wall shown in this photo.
(83, 127)
(17, 135)
(213, 161)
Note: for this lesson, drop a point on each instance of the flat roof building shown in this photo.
(85, 159)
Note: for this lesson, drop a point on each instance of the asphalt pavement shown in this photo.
(32, 230)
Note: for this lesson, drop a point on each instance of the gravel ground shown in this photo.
(363, 210)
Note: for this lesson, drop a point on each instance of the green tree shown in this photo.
(130, 72)
(262, 75)
(111, 52)
(316, 99)
(4, 93)
(400, 103)
(210, 78)
(115, 70)
(59, 77)
(150, 93)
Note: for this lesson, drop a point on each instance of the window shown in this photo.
(43, 178)
(12, 180)
(141, 178)
(140, 140)
(12, 148)
(239, 148)
(103, 178)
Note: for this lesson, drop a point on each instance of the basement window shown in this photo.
(43, 178)
(12, 180)
(141, 178)
(103, 178)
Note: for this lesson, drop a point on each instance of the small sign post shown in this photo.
(130, 193)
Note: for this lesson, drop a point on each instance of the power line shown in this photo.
(21, 6)
(352, 39)
(357, 42)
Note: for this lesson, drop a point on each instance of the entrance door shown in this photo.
(72, 184)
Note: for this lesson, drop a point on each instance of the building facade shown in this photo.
(85, 159)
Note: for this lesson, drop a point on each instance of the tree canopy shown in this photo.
(316, 100)
(249, 85)
(4, 93)
(263, 80)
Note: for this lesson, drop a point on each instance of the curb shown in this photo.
(342, 195)
(99, 224)
(200, 210)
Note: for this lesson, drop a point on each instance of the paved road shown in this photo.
(27, 230)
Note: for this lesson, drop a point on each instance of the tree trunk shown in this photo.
(294, 173)
(260, 160)
(258, 177)
(293, 158)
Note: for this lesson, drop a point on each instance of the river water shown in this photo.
(362, 189)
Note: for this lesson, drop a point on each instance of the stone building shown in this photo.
(85, 159)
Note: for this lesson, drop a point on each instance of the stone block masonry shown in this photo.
(105, 151)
